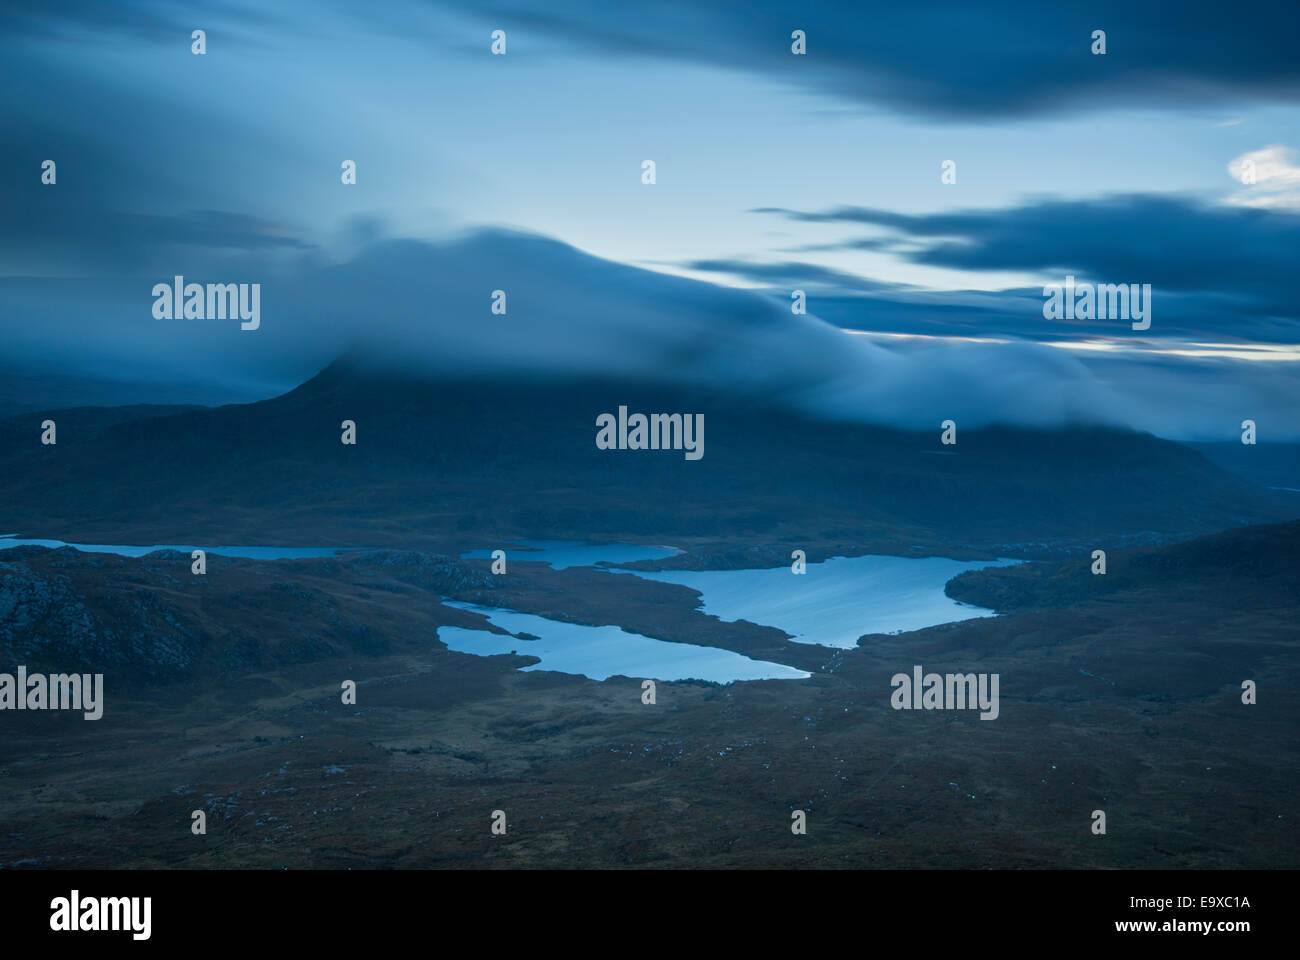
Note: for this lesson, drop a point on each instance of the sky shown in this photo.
(774, 172)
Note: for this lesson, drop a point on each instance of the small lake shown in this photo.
(838, 600)
(833, 603)
(603, 652)
(249, 553)
(561, 554)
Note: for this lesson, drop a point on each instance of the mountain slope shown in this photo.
(445, 461)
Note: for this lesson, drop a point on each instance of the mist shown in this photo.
(427, 306)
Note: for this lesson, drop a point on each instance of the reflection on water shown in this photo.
(838, 600)
(833, 603)
(602, 652)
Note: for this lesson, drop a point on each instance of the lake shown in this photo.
(833, 603)
(249, 553)
(603, 652)
(838, 600)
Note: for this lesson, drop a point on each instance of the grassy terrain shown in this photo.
(1125, 699)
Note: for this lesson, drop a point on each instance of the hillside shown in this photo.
(440, 463)
(1251, 567)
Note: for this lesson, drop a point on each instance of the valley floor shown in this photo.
(1127, 702)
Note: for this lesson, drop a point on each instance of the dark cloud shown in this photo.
(949, 59)
(427, 305)
(90, 239)
(52, 18)
(1175, 242)
(860, 303)
(1229, 267)
(143, 172)
(124, 197)
(954, 59)
(1017, 313)
(158, 21)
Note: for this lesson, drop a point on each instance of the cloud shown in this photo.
(946, 59)
(952, 59)
(156, 21)
(1240, 261)
(791, 274)
(1271, 176)
(426, 306)
(101, 213)
(54, 18)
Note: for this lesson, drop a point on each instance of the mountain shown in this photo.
(21, 432)
(149, 619)
(1254, 567)
(24, 389)
(1268, 464)
(445, 461)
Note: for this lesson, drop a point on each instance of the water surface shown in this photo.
(838, 600)
(249, 553)
(603, 652)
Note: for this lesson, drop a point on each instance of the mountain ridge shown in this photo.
(443, 460)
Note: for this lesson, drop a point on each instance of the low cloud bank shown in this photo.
(428, 305)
